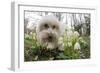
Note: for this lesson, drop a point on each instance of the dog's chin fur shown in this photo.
(43, 33)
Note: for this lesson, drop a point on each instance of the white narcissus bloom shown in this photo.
(82, 40)
(77, 46)
(34, 35)
(76, 34)
(27, 36)
(69, 44)
(60, 40)
(69, 33)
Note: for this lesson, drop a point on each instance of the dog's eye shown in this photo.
(46, 26)
(53, 27)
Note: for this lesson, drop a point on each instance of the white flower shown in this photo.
(60, 40)
(76, 34)
(82, 40)
(69, 33)
(27, 36)
(77, 46)
(34, 35)
(69, 44)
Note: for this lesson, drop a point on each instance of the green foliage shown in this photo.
(33, 51)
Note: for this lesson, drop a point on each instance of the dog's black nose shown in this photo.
(50, 37)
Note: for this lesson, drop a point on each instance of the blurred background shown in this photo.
(76, 21)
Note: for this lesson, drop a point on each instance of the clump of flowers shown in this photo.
(71, 42)
(73, 46)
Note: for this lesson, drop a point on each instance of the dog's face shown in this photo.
(48, 31)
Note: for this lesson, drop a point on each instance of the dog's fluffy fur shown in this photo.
(48, 31)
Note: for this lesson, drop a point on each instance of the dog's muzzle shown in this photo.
(50, 38)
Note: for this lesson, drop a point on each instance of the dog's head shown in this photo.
(48, 31)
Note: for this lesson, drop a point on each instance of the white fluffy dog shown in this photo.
(48, 31)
